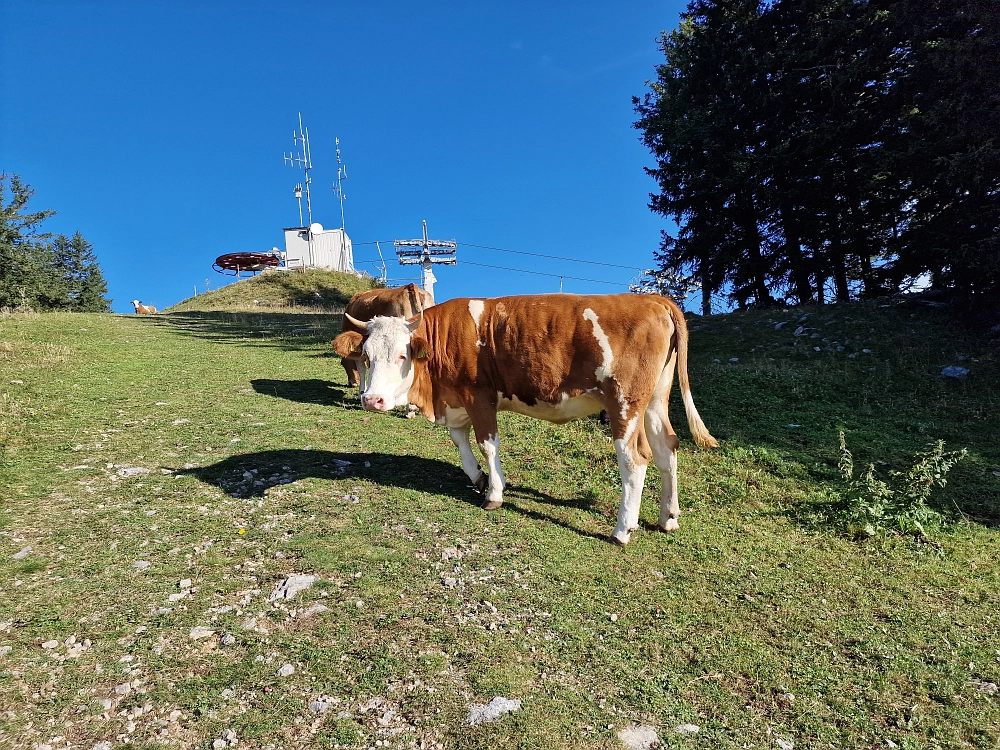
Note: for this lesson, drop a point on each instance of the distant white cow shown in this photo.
(141, 309)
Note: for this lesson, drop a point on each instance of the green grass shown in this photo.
(757, 597)
(288, 291)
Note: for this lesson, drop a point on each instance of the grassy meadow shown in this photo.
(166, 473)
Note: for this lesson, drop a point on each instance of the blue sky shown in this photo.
(157, 129)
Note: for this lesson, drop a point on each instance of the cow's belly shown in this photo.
(453, 417)
(564, 410)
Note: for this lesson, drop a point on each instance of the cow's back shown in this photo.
(404, 302)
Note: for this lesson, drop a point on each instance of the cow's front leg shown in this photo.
(362, 378)
(488, 439)
(460, 437)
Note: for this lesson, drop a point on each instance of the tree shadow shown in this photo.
(307, 391)
(253, 474)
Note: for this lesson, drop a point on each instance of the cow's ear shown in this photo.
(348, 345)
(420, 349)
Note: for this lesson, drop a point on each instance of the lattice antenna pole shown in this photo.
(303, 160)
(338, 188)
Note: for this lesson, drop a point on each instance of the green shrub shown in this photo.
(873, 507)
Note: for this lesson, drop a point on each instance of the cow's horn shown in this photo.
(359, 324)
(413, 323)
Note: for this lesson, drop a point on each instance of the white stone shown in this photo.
(132, 471)
(50, 644)
(199, 632)
(316, 609)
(292, 585)
(102, 746)
(687, 729)
(286, 670)
(641, 737)
(482, 714)
(22, 554)
(784, 744)
(142, 565)
(184, 583)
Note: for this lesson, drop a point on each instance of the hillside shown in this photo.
(160, 476)
(312, 290)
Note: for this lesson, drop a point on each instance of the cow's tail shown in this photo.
(699, 432)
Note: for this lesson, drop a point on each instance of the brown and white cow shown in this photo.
(141, 309)
(555, 357)
(404, 302)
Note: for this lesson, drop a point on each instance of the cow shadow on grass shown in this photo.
(306, 391)
(253, 474)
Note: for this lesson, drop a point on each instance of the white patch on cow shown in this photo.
(633, 477)
(630, 428)
(476, 311)
(603, 371)
(566, 409)
(491, 451)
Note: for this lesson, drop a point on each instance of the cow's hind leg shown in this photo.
(460, 437)
(633, 459)
(663, 443)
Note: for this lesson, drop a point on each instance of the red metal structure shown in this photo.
(250, 262)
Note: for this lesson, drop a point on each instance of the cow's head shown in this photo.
(388, 348)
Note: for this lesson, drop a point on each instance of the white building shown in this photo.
(315, 247)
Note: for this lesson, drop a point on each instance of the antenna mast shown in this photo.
(338, 189)
(303, 160)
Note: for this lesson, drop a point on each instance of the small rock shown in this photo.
(227, 639)
(352, 499)
(687, 729)
(17, 382)
(184, 583)
(787, 698)
(199, 632)
(22, 554)
(123, 689)
(228, 735)
(219, 744)
(734, 359)
(319, 707)
(954, 371)
(989, 688)
(450, 582)
(784, 744)
(866, 351)
(102, 746)
(641, 737)
(292, 585)
(482, 714)
(799, 331)
(142, 565)
(716, 361)
(50, 644)
(4, 650)
(286, 670)
(132, 471)
(316, 609)
(359, 604)
(613, 617)
(180, 421)
(779, 326)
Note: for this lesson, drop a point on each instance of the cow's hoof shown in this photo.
(618, 541)
(481, 483)
(670, 526)
(492, 504)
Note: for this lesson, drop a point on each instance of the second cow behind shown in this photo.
(405, 302)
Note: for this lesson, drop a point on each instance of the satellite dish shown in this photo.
(316, 228)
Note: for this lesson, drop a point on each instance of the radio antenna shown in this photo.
(338, 188)
(303, 160)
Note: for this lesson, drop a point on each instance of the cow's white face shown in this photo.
(386, 352)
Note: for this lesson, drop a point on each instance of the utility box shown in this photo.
(315, 247)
